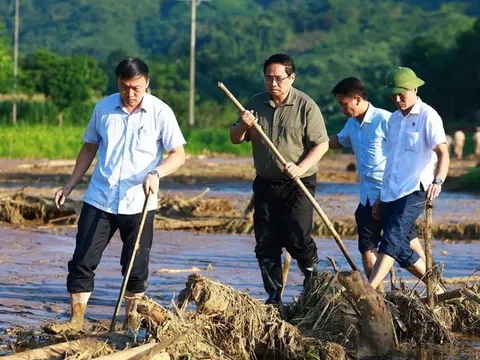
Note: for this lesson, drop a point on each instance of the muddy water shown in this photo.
(337, 199)
(33, 269)
(33, 273)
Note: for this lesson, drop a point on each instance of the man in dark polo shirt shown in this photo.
(283, 214)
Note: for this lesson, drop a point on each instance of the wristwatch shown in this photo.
(437, 181)
(155, 173)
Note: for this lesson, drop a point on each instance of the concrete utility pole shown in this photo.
(15, 63)
(191, 100)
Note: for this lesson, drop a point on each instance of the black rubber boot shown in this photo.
(272, 280)
(309, 268)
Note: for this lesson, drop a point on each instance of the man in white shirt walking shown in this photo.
(417, 165)
(366, 132)
(128, 131)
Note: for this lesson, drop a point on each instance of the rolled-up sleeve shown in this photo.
(316, 132)
(91, 134)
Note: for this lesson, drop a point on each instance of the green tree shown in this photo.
(64, 80)
(6, 63)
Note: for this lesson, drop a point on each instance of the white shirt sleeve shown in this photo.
(170, 133)
(344, 136)
(91, 134)
(435, 133)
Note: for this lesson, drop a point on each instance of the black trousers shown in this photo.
(95, 229)
(283, 217)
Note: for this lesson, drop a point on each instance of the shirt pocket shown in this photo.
(412, 141)
(289, 136)
(146, 141)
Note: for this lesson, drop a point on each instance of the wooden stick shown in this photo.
(428, 254)
(130, 262)
(282, 160)
(393, 279)
(455, 294)
(285, 270)
(449, 280)
(471, 295)
(334, 264)
(145, 352)
(58, 351)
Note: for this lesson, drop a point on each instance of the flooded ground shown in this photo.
(33, 261)
(33, 274)
(33, 269)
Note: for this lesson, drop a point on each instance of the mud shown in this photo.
(456, 215)
(33, 260)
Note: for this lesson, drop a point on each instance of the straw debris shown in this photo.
(20, 208)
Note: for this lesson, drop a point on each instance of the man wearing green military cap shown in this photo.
(417, 165)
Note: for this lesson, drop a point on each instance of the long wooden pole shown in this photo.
(282, 160)
(428, 254)
(130, 262)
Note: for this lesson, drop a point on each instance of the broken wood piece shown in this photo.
(471, 295)
(152, 310)
(455, 294)
(147, 351)
(143, 352)
(450, 280)
(58, 351)
(334, 264)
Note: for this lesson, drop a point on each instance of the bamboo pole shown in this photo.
(297, 180)
(130, 262)
(428, 254)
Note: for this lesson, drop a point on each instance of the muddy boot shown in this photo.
(309, 270)
(132, 317)
(78, 304)
(272, 280)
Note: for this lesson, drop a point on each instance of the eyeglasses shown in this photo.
(279, 80)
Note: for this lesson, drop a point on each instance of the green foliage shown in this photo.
(45, 113)
(452, 74)
(36, 141)
(6, 64)
(213, 140)
(64, 80)
(329, 40)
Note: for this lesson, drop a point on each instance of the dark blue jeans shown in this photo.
(95, 229)
(370, 230)
(397, 219)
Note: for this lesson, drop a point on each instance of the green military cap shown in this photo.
(401, 79)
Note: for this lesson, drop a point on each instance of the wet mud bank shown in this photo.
(33, 275)
(229, 214)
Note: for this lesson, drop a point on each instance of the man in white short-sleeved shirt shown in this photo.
(366, 133)
(417, 165)
(128, 132)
